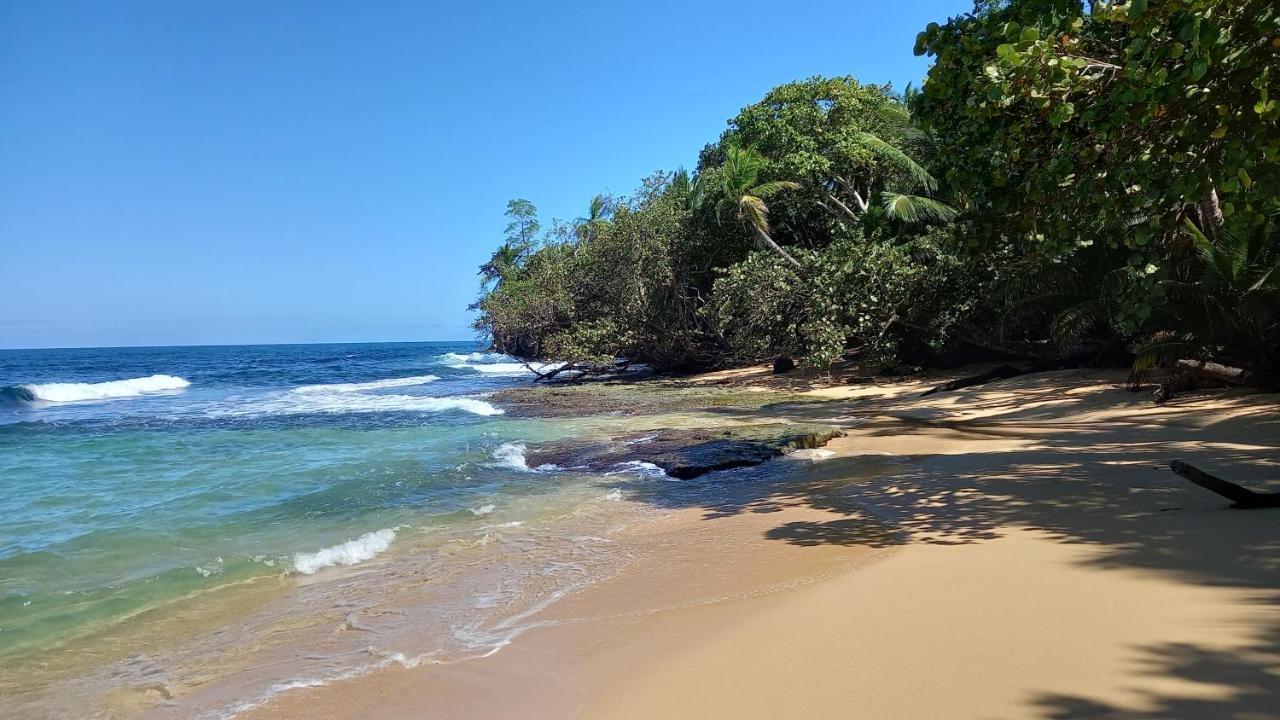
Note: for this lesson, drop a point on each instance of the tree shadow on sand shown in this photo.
(1104, 484)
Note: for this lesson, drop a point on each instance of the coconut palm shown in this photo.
(500, 264)
(597, 213)
(744, 196)
(909, 186)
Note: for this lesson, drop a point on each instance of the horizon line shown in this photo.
(213, 345)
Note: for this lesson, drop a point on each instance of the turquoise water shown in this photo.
(134, 478)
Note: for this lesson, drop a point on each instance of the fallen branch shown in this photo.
(582, 370)
(1241, 498)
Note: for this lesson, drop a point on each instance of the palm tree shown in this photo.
(1224, 301)
(744, 196)
(598, 212)
(908, 184)
(505, 259)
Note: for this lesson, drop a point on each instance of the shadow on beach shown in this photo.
(1088, 467)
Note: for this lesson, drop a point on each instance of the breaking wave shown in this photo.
(83, 392)
(476, 358)
(511, 455)
(513, 368)
(295, 403)
(351, 552)
(373, 385)
(493, 364)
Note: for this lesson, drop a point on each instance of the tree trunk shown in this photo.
(769, 243)
(852, 216)
(1211, 217)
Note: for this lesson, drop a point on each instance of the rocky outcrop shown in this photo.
(684, 454)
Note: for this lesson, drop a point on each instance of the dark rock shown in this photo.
(684, 454)
(783, 365)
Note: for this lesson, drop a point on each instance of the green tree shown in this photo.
(523, 226)
(744, 196)
(598, 212)
(852, 148)
(1096, 135)
(521, 232)
(1068, 125)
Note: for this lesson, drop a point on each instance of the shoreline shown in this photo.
(1011, 550)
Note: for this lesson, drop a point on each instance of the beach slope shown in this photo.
(1013, 550)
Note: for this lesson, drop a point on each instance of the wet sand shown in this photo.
(1016, 550)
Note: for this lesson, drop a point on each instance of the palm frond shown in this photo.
(916, 209)
(598, 209)
(914, 171)
(1160, 350)
(897, 117)
(741, 168)
(1075, 322)
(754, 212)
(769, 189)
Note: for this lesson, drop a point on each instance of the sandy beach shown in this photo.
(1012, 550)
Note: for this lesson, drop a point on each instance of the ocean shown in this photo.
(170, 516)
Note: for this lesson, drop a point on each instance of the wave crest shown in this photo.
(372, 385)
(476, 358)
(83, 392)
(337, 403)
(493, 363)
(351, 552)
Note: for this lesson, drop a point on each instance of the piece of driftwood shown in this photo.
(1003, 372)
(1216, 371)
(1196, 375)
(1240, 497)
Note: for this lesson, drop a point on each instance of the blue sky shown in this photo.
(237, 172)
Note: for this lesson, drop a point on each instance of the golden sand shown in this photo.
(1016, 550)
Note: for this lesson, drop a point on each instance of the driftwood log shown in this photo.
(1195, 375)
(1216, 371)
(1240, 497)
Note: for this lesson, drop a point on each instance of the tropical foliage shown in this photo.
(1072, 176)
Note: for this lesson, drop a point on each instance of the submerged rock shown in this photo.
(685, 454)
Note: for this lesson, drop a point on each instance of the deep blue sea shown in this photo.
(147, 492)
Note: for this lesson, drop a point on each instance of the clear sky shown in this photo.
(254, 172)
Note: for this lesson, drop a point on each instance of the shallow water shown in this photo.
(246, 496)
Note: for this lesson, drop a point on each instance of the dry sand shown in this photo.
(1015, 550)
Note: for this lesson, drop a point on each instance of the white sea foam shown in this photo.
(507, 368)
(293, 403)
(372, 385)
(476, 358)
(483, 510)
(111, 390)
(493, 364)
(815, 454)
(350, 552)
(641, 467)
(511, 455)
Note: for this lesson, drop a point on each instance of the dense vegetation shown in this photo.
(1088, 180)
